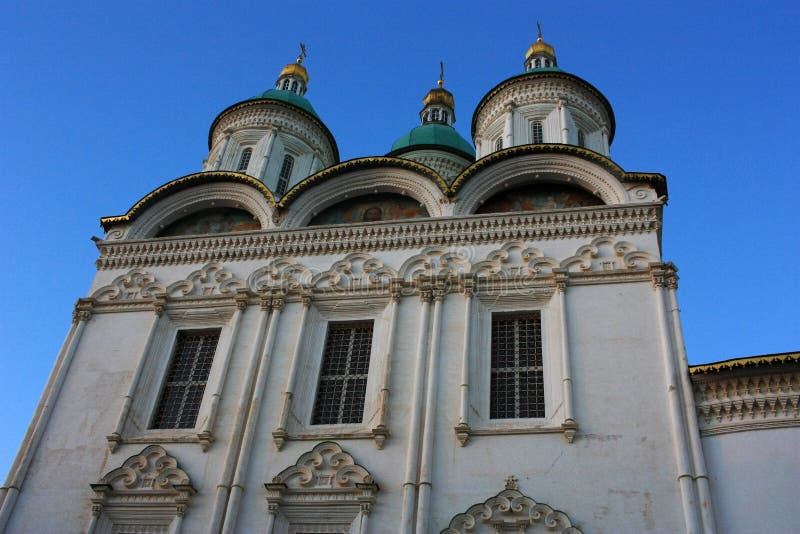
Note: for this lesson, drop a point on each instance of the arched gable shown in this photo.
(363, 177)
(190, 194)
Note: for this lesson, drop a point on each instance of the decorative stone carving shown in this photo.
(435, 262)
(149, 490)
(516, 260)
(510, 511)
(136, 284)
(211, 280)
(407, 234)
(325, 485)
(607, 254)
(356, 270)
(281, 273)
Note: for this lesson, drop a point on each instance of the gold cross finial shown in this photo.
(539, 27)
(303, 53)
(441, 74)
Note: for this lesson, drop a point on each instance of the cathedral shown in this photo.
(459, 336)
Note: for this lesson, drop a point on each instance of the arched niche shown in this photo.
(377, 180)
(216, 220)
(539, 196)
(370, 208)
(532, 169)
(192, 202)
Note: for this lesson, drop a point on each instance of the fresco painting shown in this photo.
(371, 208)
(212, 221)
(537, 197)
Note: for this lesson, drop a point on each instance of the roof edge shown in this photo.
(765, 360)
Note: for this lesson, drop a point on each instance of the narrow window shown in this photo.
(186, 379)
(343, 378)
(498, 145)
(434, 114)
(537, 135)
(294, 86)
(581, 138)
(537, 63)
(546, 62)
(285, 174)
(244, 161)
(285, 85)
(517, 381)
(445, 116)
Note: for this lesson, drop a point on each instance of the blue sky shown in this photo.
(101, 103)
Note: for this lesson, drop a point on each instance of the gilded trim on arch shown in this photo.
(766, 360)
(656, 180)
(185, 182)
(358, 164)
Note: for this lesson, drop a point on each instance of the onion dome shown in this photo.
(540, 55)
(436, 143)
(276, 136)
(543, 105)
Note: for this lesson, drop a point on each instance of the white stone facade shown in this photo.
(627, 441)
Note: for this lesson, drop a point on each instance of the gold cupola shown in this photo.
(540, 55)
(438, 105)
(294, 76)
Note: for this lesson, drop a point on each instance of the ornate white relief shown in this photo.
(211, 280)
(148, 493)
(514, 259)
(281, 273)
(739, 400)
(324, 486)
(136, 284)
(407, 234)
(510, 511)
(607, 254)
(435, 262)
(356, 270)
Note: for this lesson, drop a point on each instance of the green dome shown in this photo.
(433, 135)
(289, 97)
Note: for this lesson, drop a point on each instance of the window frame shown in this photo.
(282, 184)
(535, 133)
(485, 306)
(245, 156)
(320, 314)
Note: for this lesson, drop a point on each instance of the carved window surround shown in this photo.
(300, 392)
(149, 493)
(325, 491)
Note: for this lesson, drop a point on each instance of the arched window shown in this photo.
(434, 114)
(244, 160)
(498, 145)
(537, 63)
(581, 138)
(294, 86)
(285, 85)
(537, 135)
(285, 174)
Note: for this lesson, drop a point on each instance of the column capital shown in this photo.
(83, 310)
(560, 279)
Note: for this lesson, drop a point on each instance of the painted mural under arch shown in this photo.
(535, 197)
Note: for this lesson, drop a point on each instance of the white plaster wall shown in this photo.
(754, 478)
(618, 474)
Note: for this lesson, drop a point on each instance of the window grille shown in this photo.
(244, 160)
(581, 138)
(445, 116)
(294, 86)
(285, 174)
(285, 85)
(186, 379)
(498, 145)
(343, 378)
(538, 63)
(537, 134)
(434, 114)
(517, 380)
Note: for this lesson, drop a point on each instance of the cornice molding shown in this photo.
(413, 233)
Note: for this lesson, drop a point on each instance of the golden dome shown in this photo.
(295, 69)
(439, 96)
(540, 47)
